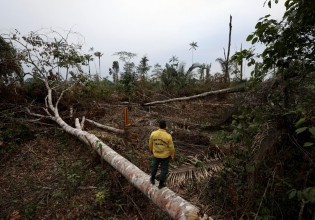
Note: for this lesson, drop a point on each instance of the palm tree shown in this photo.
(157, 72)
(201, 69)
(116, 71)
(143, 67)
(225, 66)
(193, 47)
(99, 54)
(89, 58)
(174, 61)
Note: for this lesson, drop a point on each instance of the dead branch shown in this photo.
(107, 128)
(221, 91)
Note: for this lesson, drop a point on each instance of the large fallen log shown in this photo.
(221, 91)
(167, 200)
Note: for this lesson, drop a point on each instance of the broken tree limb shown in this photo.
(107, 128)
(221, 91)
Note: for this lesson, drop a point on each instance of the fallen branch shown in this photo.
(222, 91)
(107, 128)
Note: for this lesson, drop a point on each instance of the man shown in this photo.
(162, 147)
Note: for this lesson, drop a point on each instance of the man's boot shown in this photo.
(152, 180)
(161, 184)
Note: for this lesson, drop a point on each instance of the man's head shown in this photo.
(162, 124)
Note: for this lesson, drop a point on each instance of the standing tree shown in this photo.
(227, 63)
(226, 66)
(128, 78)
(125, 56)
(168, 77)
(201, 70)
(98, 54)
(192, 48)
(157, 72)
(174, 61)
(143, 68)
(173, 78)
(89, 58)
(115, 68)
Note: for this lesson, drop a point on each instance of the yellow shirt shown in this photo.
(161, 144)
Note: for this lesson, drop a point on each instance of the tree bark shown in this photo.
(167, 200)
(222, 91)
(227, 76)
(241, 65)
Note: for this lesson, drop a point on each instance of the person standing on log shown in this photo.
(162, 147)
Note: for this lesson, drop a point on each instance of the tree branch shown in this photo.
(222, 91)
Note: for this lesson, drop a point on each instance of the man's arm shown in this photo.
(151, 144)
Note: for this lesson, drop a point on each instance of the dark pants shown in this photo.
(163, 162)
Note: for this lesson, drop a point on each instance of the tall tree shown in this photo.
(226, 66)
(89, 58)
(201, 70)
(193, 45)
(227, 73)
(143, 68)
(128, 78)
(125, 56)
(98, 54)
(157, 72)
(115, 67)
(173, 61)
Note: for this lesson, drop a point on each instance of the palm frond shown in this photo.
(183, 174)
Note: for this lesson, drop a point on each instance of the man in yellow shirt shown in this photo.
(162, 147)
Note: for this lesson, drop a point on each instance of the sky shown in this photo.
(158, 29)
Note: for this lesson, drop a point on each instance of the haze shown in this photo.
(159, 29)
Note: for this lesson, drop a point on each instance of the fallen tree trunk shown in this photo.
(221, 91)
(167, 200)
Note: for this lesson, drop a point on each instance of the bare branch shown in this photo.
(108, 128)
(38, 115)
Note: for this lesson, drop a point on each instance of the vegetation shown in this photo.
(10, 68)
(262, 140)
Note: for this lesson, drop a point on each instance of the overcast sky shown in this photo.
(159, 29)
